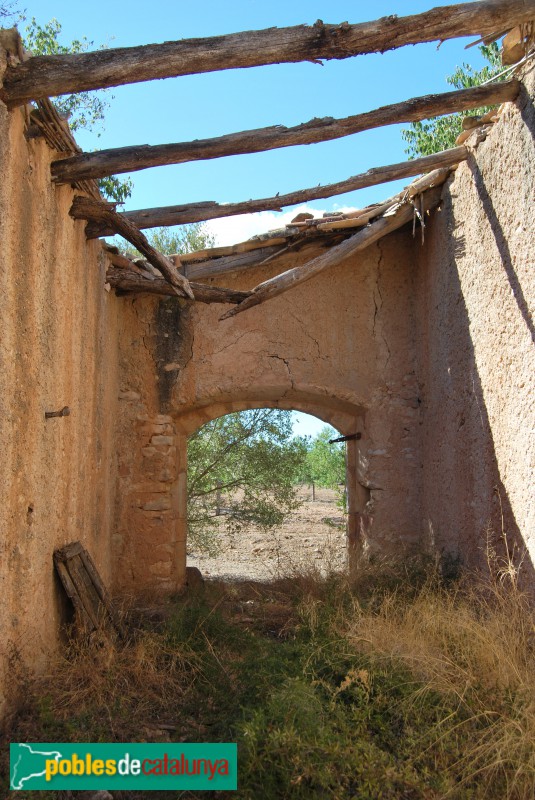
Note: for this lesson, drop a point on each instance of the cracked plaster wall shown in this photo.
(476, 348)
(340, 346)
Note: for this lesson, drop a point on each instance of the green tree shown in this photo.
(440, 133)
(173, 240)
(243, 467)
(181, 238)
(84, 110)
(325, 463)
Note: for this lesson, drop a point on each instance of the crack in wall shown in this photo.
(286, 363)
(233, 343)
(380, 264)
(306, 332)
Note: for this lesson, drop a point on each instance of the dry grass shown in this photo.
(472, 643)
(403, 686)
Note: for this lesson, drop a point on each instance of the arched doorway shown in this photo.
(266, 500)
(342, 416)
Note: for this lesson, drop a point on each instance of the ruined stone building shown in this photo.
(424, 348)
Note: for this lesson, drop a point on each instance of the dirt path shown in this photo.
(304, 540)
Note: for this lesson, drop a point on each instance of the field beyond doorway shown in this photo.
(312, 536)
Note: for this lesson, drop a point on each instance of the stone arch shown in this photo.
(345, 416)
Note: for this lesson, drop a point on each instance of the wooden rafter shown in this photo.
(128, 276)
(105, 212)
(132, 281)
(394, 218)
(179, 215)
(137, 157)
(43, 76)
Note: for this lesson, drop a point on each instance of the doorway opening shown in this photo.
(267, 496)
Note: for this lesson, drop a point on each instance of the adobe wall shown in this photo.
(57, 348)
(340, 346)
(475, 301)
(427, 351)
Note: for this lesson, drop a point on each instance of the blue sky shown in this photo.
(199, 106)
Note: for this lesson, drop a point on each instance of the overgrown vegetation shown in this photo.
(404, 686)
(173, 240)
(440, 133)
(243, 468)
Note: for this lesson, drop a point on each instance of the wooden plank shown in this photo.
(179, 215)
(100, 589)
(69, 551)
(137, 157)
(359, 241)
(89, 208)
(84, 587)
(72, 594)
(44, 76)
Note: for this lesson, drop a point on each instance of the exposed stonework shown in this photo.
(344, 355)
(396, 344)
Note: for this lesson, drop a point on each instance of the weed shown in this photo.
(402, 685)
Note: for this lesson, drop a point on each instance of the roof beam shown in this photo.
(126, 280)
(44, 76)
(105, 212)
(197, 212)
(137, 157)
(397, 217)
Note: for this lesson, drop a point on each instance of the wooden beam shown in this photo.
(137, 157)
(179, 215)
(255, 252)
(43, 76)
(131, 281)
(359, 241)
(89, 208)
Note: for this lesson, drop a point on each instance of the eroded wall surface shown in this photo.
(339, 346)
(427, 352)
(475, 300)
(57, 348)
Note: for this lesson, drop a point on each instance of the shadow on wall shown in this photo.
(464, 495)
(502, 247)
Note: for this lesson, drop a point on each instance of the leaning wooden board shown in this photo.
(84, 587)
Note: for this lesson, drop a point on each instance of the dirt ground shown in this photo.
(313, 536)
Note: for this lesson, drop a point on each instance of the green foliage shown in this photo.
(173, 240)
(325, 463)
(116, 189)
(182, 238)
(440, 133)
(84, 110)
(242, 467)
